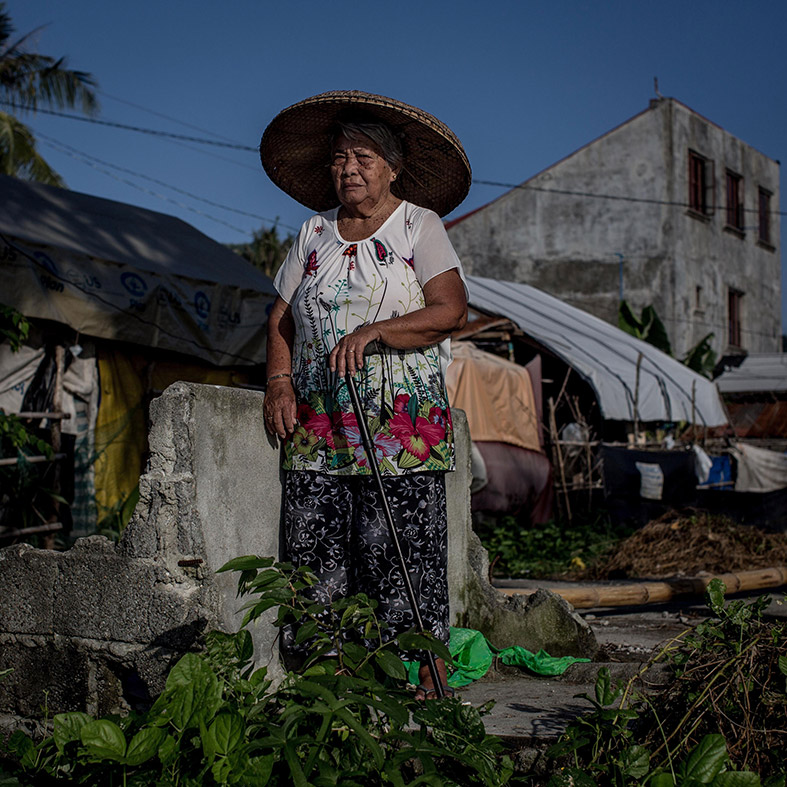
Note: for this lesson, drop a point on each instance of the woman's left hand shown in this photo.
(347, 355)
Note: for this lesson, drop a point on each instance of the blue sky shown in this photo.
(522, 84)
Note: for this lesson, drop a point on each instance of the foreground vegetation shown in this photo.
(554, 549)
(349, 718)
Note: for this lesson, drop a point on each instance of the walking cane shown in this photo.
(370, 453)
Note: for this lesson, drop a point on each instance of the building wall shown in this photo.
(576, 246)
(708, 254)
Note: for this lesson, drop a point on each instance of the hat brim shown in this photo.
(295, 151)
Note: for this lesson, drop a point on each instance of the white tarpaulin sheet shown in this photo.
(123, 273)
(605, 356)
(758, 469)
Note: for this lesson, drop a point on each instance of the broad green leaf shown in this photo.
(391, 664)
(23, 747)
(306, 631)
(715, 595)
(145, 745)
(662, 780)
(357, 727)
(67, 727)
(227, 732)
(606, 693)
(410, 640)
(783, 665)
(736, 779)
(259, 769)
(104, 740)
(635, 762)
(168, 750)
(706, 761)
(192, 693)
(247, 563)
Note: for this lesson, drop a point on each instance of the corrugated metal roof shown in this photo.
(757, 373)
(605, 356)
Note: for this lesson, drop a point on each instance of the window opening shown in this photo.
(700, 184)
(764, 207)
(734, 201)
(734, 298)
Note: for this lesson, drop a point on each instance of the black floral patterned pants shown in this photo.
(335, 525)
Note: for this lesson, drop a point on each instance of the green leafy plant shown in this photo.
(518, 549)
(347, 717)
(14, 327)
(647, 327)
(718, 722)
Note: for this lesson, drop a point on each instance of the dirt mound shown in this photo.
(681, 544)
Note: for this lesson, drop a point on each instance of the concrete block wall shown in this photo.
(97, 628)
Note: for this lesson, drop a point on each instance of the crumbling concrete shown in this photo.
(97, 628)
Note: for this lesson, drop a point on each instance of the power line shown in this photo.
(138, 129)
(476, 181)
(594, 195)
(144, 190)
(87, 158)
(167, 117)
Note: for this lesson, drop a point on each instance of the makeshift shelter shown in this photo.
(754, 388)
(601, 385)
(632, 380)
(502, 401)
(124, 301)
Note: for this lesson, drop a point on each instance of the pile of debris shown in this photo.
(681, 544)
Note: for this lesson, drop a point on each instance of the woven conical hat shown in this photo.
(295, 151)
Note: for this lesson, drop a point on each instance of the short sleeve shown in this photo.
(433, 253)
(290, 273)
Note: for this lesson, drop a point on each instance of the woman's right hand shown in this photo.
(279, 409)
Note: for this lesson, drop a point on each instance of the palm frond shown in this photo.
(28, 79)
(19, 156)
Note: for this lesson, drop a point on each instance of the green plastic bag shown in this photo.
(471, 654)
(541, 663)
(473, 657)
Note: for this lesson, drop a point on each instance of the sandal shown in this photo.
(448, 691)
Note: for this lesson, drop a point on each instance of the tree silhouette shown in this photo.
(28, 80)
(266, 250)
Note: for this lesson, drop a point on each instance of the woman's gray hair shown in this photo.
(388, 143)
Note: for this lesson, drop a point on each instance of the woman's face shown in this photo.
(361, 176)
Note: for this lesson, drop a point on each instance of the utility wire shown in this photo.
(476, 181)
(167, 117)
(594, 195)
(138, 129)
(143, 189)
(87, 158)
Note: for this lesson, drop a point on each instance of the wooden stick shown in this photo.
(33, 460)
(553, 433)
(50, 527)
(36, 416)
(636, 400)
(640, 593)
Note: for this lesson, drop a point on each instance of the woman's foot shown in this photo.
(426, 689)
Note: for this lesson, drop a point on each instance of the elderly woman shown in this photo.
(375, 272)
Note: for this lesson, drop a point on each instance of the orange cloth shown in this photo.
(496, 394)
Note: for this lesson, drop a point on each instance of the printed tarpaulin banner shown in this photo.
(219, 323)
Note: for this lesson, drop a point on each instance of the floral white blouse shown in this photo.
(333, 287)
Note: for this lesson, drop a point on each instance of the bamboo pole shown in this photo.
(640, 593)
(636, 400)
(554, 435)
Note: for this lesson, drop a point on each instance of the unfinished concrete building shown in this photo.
(668, 209)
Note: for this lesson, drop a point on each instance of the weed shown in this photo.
(346, 719)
